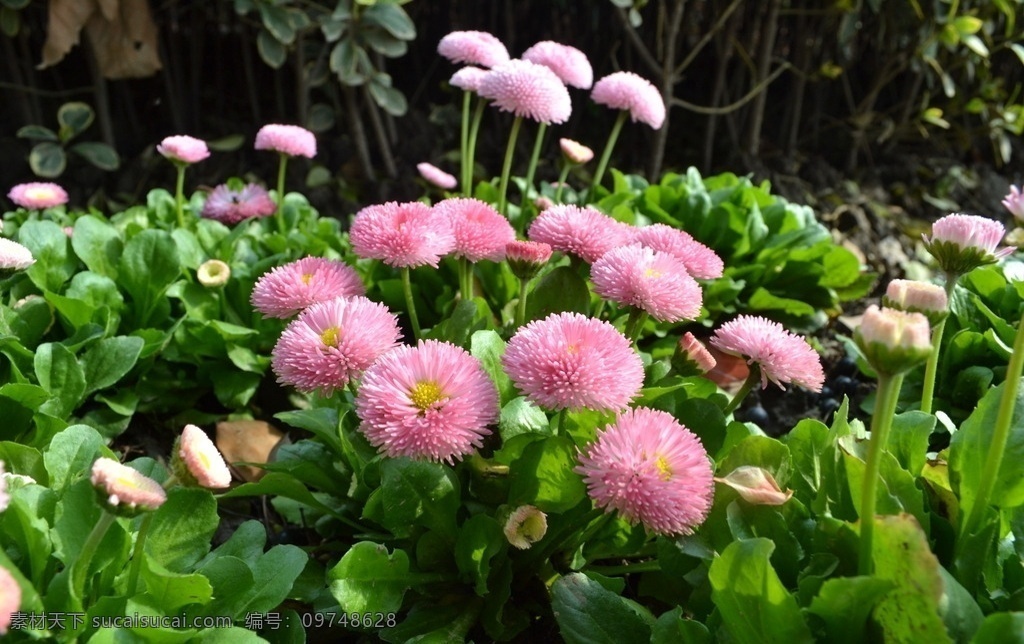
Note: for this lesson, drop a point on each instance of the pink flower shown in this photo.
(286, 290)
(649, 280)
(575, 152)
(652, 470)
(893, 341)
(568, 63)
(473, 48)
(570, 361)
(183, 149)
(125, 490)
(36, 195)
(480, 232)
(700, 261)
(401, 234)
(10, 599)
(917, 297)
(756, 486)
(203, 463)
(468, 78)
(543, 203)
(782, 356)
(14, 256)
(961, 243)
(292, 140)
(1014, 202)
(527, 89)
(433, 402)
(586, 232)
(526, 257)
(627, 91)
(694, 354)
(230, 206)
(332, 342)
(436, 176)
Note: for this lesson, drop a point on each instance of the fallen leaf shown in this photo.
(247, 441)
(122, 34)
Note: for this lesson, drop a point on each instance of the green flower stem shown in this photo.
(409, 304)
(466, 275)
(753, 378)
(561, 181)
(1000, 435)
(521, 307)
(881, 424)
(80, 569)
(562, 413)
(635, 323)
(931, 368)
(467, 99)
(474, 129)
(532, 168)
(625, 569)
(279, 215)
(506, 168)
(139, 553)
(179, 194)
(603, 163)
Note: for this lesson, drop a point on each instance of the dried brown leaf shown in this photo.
(122, 34)
(249, 441)
(66, 19)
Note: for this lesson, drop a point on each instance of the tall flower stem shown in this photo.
(1000, 434)
(474, 130)
(506, 168)
(753, 378)
(179, 194)
(467, 99)
(606, 155)
(80, 569)
(635, 323)
(139, 552)
(466, 277)
(521, 306)
(931, 368)
(280, 194)
(881, 424)
(561, 181)
(532, 168)
(409, 304)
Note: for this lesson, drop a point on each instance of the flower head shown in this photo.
(432, 402)
(468, 78)
(627, 91)
(183, 149)
(10, 599)
(692, 357)
(333, 342)
(568, 63)
(401, 234)
(652, 470)
(480, 232)
(473, 48)
(527, 89)
(14, 256)
(288, 289)
(917, 297)
(782, 356)
(961, 243)
(123, 490)
(230, 206)
(526, 257)
(213, 273)
(197, 461)
(649, 280)
(1014, 202)
(756, 486)
(700, 261)
(525, 526)
(586, 232)
(570, 361)
(292, 140)
(38, 195)
(893, 341)
(575, 152)
(436, 176)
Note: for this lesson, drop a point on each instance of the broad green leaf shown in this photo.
(22, 459)
(488, 347)
(587, 613)
(322, 421)
(543, 476)
(32, 319)
(560, 290)
(844, 605)
(74, 118)
(419, 493)
(98, 245)
(275, 19)
(809, 446)
(232, 581)
(47, 160)
(182, 529)
(673, 628)
(107, 361)
(909, 439)
(49, 245)
(960, 613)
(370, 579)
(392, 18)
(148, 266)
(60, 374)
(1005, 628)
(480, 539)
(274, 573)
(171, 590)
(99, 154)
(520, 416)
(278, 484)
(36, 132)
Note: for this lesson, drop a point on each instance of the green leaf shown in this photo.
(182, 529)
(47, 160)
(37, 132)
(278, 484)
(845, 603)
(276, 20)
(391, 99)
(1005, 628)
(107, 361)
(60, 374)
(909, 439)
(148, 266)
(488, 347)
(98, 245)
(274, 573)
(22, 459)
(543, 476)
(100, 155)
(74, 118)
(232, 581)
(49, 245)
(170, 591)
(270, 49)
(370, 579)
(520, 416)
(960, 613)
(560, 290)
(480, 539)
(419, 493)
(587, 613)
(673, 628)
(322, 421)
(392, 18)
(754, 604)
(71, 454)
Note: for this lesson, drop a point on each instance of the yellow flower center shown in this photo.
(651, 273)
(663, 469)
(425, 394)
(307, 278)
(330, 336)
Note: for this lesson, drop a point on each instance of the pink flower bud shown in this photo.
(125, 491)
(183, 149)
(37, 196)
(917, 297)
(436, 176)
(575, 152)
(692, 357)
(526, 257)
(525, 526)
(756, 486)
(1014, 202)
(893, 341)
(961, 243)
(197, 461)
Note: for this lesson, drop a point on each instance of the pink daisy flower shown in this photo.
(782, 356)
(480, 232)
(230, 206)
(525, 258)
(332, 342)
(961, 243)
(586, 232)
(570, 361)
(401, 234)
(14, 256)
(286, 290)
(700, 261)
(183, 149)
(10, 599)
(627, 91)
(468, 78)
(652, 470)
(199, 462)
(473, 48)
(292, 140)
(527, 89)
(436, 176)
(125, 490)
(649, 280)
(575, 152)
(433, 402)
(38, 195)
(568, 63)
(1014, 202)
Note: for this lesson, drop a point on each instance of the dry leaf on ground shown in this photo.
(122, 34)
(248, 441)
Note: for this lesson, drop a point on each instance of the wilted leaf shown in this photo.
(122, 33)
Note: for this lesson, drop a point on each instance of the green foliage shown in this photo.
(48, 157)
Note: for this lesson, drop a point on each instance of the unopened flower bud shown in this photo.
(436, 176)
(196, 461)
(543, 203)
(574, 152)
(917, 297)
(961, 243)
(1014, 202)
(692, 358)
(14, 257)
(525, 258)
(756, 486)
(124, 491)
(893, 341)
(525, 526)
(213, 273)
